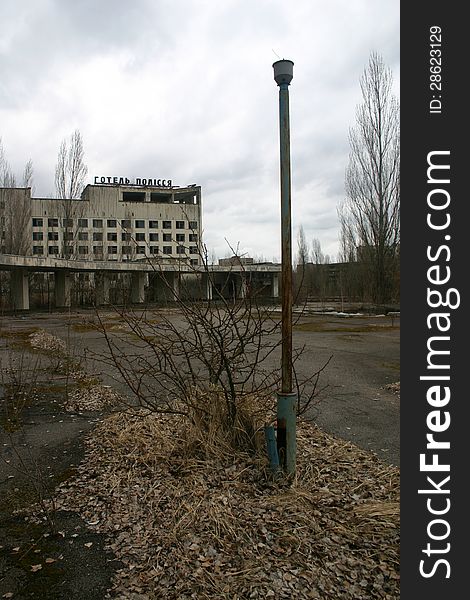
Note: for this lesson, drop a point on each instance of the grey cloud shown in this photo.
(185, 89)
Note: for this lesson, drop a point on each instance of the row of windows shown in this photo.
(38, 236)
(84, 250)
(112, 223)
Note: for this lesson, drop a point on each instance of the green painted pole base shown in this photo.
(286, 430)
(271, 446)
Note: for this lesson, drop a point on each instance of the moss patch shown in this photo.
(392, 365)
(329, 327)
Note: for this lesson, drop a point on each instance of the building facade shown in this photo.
(117, 244)
(108, 222)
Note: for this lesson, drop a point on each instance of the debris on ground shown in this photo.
(190, 522)
(42, 340)
(394, 387)
(90, 395)
(95, 397)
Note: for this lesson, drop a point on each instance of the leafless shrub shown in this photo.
(309, 391)
(18, 381)
(26, 465)
(210, 361)
(206, 361)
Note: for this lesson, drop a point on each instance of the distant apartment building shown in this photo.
(110, 221)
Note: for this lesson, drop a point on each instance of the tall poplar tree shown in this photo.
(370, 214)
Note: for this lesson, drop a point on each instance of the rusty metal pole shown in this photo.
(286, 398)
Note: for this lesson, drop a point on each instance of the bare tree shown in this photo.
(70, 173)
(318, 258)
(318, 274)
(215, 361)
(370, 214)
(301, 283)
(302, 248)
(28, 175)
(7, 179)
(15, 208)
(71, 170)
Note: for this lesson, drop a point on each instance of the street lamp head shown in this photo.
(283, 71)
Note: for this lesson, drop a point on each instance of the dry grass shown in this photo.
(336, 327)
(192, 518)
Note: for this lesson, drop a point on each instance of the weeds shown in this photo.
(19, 379)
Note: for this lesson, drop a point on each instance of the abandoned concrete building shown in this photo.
(116, 239)
(109, 222)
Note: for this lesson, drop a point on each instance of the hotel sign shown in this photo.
(164, 183)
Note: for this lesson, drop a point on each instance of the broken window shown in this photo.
(133, 196)
(160, 197)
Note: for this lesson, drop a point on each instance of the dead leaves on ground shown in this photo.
(185, 527)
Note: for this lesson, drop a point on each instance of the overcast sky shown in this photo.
(184, 90)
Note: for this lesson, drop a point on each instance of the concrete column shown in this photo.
(243, 286)
(62, 286)
(101, 288)
(207, 286)
(275, 285)
(138, 287)
(155, 283)
(162, 286)
(20, 289)
(173, 280)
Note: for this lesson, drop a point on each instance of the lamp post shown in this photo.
(286, 398)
